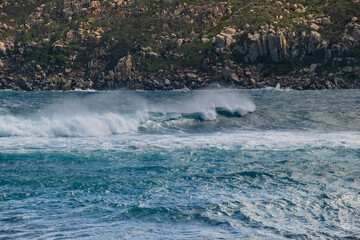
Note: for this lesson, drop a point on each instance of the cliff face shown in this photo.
(169, 44)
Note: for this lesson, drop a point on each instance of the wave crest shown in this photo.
(106, 115)
(74, 126)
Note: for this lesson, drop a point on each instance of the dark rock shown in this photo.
(23, 83)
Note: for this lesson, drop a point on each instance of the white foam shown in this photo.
(82, 125)
(234, 141)
(84, 90)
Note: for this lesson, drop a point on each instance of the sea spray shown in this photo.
(102, 114)
(78, 125)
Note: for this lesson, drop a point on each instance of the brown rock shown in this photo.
(123, 69)
(191, 75)
(2, 48)
(248, 74)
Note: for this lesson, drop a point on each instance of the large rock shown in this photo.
(220, 41)
(264, 43)
(23, 84)
(356, 34)
(95, 9)
(229, 31)
(94, 4)
(314, 42)
(273, 48)
(123, 70)
(191, 75)
(315, 37)
(225, 38)
(253, 52)
(2, 48)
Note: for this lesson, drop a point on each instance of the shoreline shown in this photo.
(190, 79)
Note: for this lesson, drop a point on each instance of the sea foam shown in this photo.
(68, 126)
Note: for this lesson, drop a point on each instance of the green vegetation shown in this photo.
(158, 24)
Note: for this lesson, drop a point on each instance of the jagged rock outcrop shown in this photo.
(352, 32)
(275, 45)
(73, 7)
(148, 53)
(265, 43)
(224, 40)
(123, 70)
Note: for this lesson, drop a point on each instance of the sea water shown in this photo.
(210, 164)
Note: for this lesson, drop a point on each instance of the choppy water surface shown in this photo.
(221, 164)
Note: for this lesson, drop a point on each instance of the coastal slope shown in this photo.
(173, 44)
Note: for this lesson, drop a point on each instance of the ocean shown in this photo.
(207, 164)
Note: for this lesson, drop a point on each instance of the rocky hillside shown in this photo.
(170, 44)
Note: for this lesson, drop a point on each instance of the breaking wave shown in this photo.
(68, 126)
(94, 116)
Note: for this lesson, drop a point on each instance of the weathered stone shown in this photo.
(314, 26)
(226, 74)
(234, 77)
(94, 4)
(315, 37)
(356, 34)
(205, 64)
(23, 84)
(146, 49)
(230, 31)
(324, 21)
(176, 57)
(179, 42)
(247, 73)
(153, 55)
(205, 40)
(271, 40)
(191, 75)
(123, 69)
(2, 48)
(312, 67)
(293, 7)
(220, 41)
(225, 38)
(301, 8)
(57, 46)
(328, 85)
(253, 52)
(347, 69)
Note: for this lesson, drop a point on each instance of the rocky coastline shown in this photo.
(168, 44)
(230, 76)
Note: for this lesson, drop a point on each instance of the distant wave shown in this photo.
(79, 118)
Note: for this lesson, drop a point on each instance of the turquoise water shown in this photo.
(220, 164)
